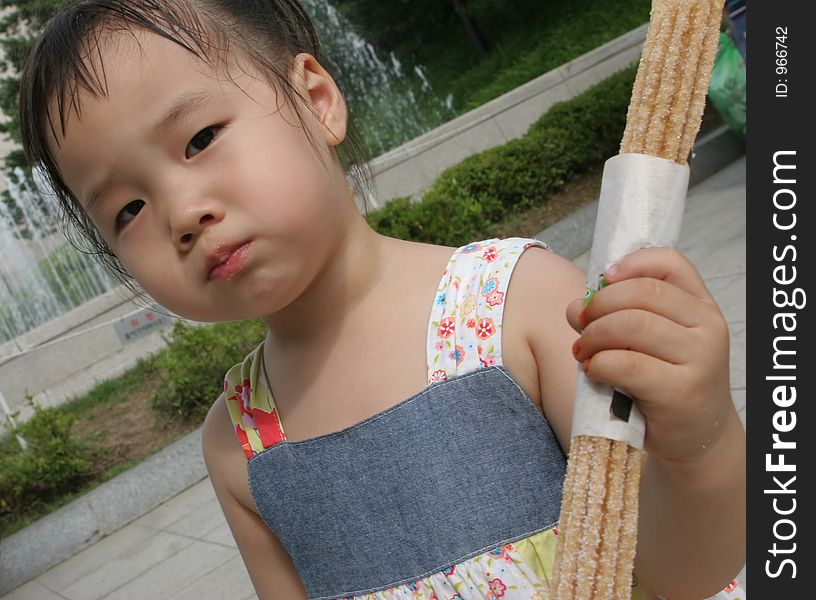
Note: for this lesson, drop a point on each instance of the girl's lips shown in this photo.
(233, 261)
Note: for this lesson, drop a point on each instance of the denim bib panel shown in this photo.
(460, 468)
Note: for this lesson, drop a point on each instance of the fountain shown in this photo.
(41, 275)
(392, 106)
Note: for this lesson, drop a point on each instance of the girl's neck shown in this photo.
(352, 271)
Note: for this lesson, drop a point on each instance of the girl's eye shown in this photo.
(127, 214)
(201, 140)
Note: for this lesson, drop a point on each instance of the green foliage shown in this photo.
(466, 199)
(540, 40)
(420, 22)
(18, 29)
(53, 464)
(16, 465)
(110, 392)
(526, 38)
(194, 364)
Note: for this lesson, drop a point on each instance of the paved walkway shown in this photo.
(183, 550)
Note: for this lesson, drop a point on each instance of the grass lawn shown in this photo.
(526, 46)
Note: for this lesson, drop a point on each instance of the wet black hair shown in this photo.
(66, 60)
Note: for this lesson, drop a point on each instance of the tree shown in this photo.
(403, 26)
(20, 22)
(472, 27)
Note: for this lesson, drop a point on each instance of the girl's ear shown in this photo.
(319, 89)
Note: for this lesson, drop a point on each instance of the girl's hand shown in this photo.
(656, 332)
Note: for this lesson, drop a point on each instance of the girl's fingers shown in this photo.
(638, 374)
(666, 264)
(638, 330)
(574, 310)
(649, 294)
(657, 280)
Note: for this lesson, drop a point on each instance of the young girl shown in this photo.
(401, 431)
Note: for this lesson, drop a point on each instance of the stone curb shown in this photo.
(69, 530)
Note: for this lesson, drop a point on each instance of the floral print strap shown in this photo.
(464, 332)
(251, 406)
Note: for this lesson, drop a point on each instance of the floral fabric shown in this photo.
(250, 405)
(464, 333)
(514, 571)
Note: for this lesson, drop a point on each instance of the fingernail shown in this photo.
(576, 348)
(611, 271)
(583, 320)
(586, 367)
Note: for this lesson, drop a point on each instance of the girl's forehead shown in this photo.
(150, 84)
(140, 49)
(141, 70)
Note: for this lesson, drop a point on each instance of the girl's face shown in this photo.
(203, 182)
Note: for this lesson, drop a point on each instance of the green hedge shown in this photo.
(467, 199)
(53, 464)
(195, 362)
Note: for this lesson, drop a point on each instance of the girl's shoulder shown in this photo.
(506, 299)
(492, 302)
(542, 286)
(466, 329)
(523, 273)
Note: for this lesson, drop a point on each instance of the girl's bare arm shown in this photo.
(270, 568)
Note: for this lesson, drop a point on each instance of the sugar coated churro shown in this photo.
(598, 525)
(672, 79)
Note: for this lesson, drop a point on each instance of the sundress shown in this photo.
(452, 494)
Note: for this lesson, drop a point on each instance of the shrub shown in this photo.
(195, 361)
(53, 464)
(466, 201)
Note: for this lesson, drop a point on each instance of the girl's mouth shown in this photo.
(232, 260)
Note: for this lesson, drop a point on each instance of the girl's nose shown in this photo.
(190, 223)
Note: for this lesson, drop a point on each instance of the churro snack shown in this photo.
(598, 525)
(668, 97)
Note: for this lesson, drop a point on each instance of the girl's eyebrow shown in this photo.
(177, 111)
(180, 108)
(97, 195)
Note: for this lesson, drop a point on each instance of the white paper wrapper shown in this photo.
(641, 205)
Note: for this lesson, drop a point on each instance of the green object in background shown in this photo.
(727, 88)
